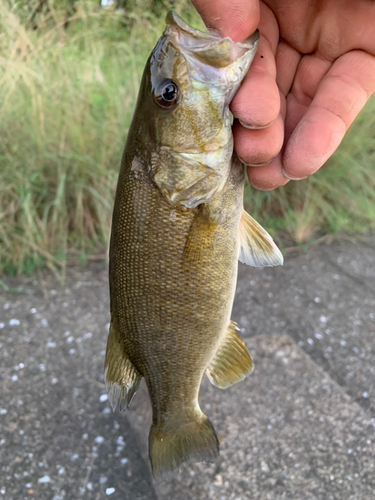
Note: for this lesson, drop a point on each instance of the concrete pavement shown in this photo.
(302, 426)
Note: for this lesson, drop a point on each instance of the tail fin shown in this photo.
(194, 440)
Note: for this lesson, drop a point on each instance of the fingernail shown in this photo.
(288, 176)
(253, 126)
(255, 164)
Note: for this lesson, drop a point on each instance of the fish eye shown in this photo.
(166, 94)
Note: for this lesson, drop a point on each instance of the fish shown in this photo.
(178, 231)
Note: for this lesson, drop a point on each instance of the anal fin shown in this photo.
(121, 377)
(232, 362)
(257, 248)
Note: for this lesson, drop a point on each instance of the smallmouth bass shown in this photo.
(178, 231)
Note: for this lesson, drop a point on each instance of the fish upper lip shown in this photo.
(174, 19)
(253, 39)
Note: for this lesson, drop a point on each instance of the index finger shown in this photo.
(237, 19)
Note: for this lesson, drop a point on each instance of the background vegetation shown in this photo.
(69, 77)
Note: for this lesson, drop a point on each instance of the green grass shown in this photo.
(66, 101)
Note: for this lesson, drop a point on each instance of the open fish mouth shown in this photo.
(211, 58)
(210, 48)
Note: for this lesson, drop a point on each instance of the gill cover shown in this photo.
(194, 145)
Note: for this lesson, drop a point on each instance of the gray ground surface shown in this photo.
(301, 426)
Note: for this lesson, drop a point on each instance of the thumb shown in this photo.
(237, 19)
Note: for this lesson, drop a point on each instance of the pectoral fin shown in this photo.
(232, 361)
(200, 243)
(257, 248)
(121, 377)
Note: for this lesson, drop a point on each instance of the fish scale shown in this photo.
(178, 230)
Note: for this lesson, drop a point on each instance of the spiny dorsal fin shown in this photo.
(257, 248)
(121, 377)
(232, 362)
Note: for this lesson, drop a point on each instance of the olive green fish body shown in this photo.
(178, 231)
(172, 307)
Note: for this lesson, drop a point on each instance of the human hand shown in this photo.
(313, 72)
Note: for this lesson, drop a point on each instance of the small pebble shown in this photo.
(264, 466)
(124, 461)
(103, 398)
(33, 310)
(42, 367)
(99, 439)
(14, 378)
(103, 479)
(3, 411)
(120, 441)
(44, 479)
(365, 395)
(14, 322)
(109, 491)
